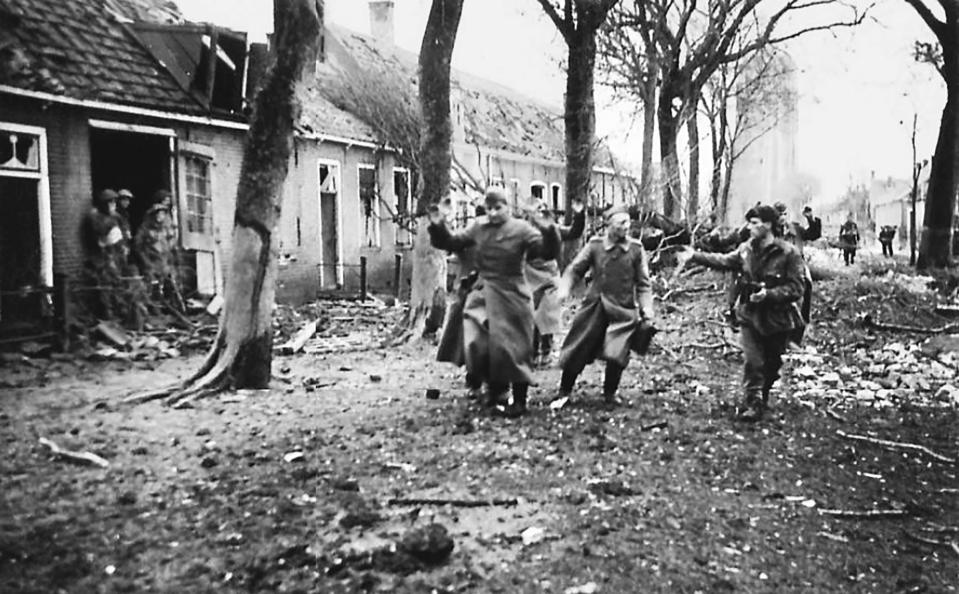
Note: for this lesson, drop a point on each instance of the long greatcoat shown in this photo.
(608, 316)
(543, 275)
(498, 310)
(450, 348)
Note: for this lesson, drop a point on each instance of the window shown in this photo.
(556, 198)
(402, 197)
(537, 190)
(199, 200)
(369, 206)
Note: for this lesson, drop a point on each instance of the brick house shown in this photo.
(92, 96)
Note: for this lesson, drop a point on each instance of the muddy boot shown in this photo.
(517, 407)
(611, 379)
(496, 396)
(752, 409)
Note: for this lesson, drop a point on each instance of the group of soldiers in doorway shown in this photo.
(120, 264)
(510, 293)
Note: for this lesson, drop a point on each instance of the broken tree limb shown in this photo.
(88, 458)
(868, 514)
(869, 322)
(951, 545)
(508, 502)
(897, 445)
(295, 344)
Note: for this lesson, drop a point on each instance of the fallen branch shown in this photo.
(868, 514)
(78, 457)
(869, 322)
(295, 344)
(656, 425)
(951, 545)
(835, 415)
(897, 445)
(453, 502)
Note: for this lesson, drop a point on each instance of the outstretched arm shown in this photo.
(443, 239)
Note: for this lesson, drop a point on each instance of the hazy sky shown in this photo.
(858, 88)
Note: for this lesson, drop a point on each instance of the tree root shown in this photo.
(213, 376)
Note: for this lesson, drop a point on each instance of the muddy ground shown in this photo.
(301, 488)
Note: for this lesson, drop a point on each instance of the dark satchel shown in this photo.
(642, 337)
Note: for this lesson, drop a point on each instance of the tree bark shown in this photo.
(668, 132)
(935, 245)
(242, 353)
(692, 132)
(649, 131)
(427, 297)
(580, 116)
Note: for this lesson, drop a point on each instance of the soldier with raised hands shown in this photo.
(498, 310)
(618, 300)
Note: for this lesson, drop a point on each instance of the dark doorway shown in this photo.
(19, 251)
(132, 160)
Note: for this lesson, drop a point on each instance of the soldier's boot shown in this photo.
(545, 350)
(611, 378)
(517, 407)
(753, 408)
(496, 395)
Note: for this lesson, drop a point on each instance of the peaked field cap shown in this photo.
(125, 193)
(615, 210)
(107, 195)
(764, 213)
(496, 195)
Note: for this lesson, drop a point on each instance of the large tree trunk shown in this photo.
(668, 131)
(718, 194)
(427, 297)
(692, 131)
(935, 246)
(649, 133)
(242, 353)
(580, 116)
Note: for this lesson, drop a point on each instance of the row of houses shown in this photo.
(128, 94)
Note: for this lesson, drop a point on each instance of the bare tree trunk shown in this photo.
(428, 291)
(692, 131)
(242, 353)
(580, 116)
(935, 246)
(649, 132)
(668, 131)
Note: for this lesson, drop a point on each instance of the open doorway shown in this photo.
(136, 161)
(19, 250)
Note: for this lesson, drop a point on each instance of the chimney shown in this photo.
(381, 21)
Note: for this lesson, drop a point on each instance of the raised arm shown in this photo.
(731, 261)
(443, 239)
(574, 231)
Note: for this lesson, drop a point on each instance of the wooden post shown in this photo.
(362, 278)
(61, 308)
(397, 273)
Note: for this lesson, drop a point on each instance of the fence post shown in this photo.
(397, 273)
(61, 308)
(362, 278)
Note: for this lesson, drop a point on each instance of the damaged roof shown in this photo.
(80, 49)
(494, 116)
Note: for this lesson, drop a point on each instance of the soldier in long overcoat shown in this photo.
(769, 303)
(498, 311)
(543, 277)
(619, 298)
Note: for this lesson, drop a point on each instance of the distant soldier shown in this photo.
(886, 235)
(619, 298)
(154, 251)
(498, 310)
(849, 240)
(103, 254)
(769, 303)
(124, 197)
